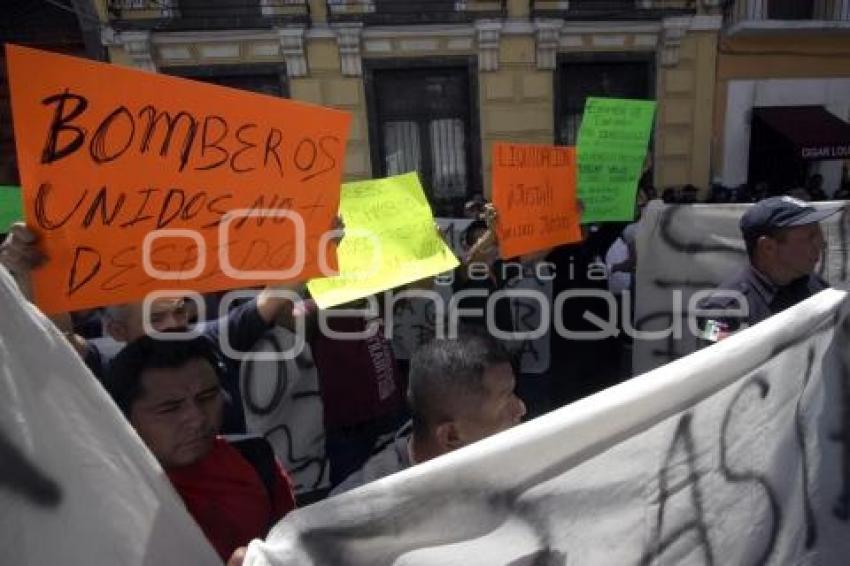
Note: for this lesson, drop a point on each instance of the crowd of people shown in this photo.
(810, 191)
(182, 396)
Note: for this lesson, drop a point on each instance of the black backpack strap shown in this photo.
(260, 455)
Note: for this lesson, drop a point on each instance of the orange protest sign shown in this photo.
(136, 181)
(534, 192)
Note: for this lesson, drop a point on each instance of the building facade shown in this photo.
(782, 98)
(432, 84)
(59, 28)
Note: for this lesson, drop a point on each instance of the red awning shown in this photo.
(815, 133)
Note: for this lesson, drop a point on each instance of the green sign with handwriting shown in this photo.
(612, 145)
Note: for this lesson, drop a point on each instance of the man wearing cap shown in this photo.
(784, 243)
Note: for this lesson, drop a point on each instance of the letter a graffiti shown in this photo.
(667, 489)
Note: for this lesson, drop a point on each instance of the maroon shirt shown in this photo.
(226, 497)
(359, 379)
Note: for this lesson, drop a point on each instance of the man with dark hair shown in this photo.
(784, 244)
(460, 391)
(170, 392)
(246, 323)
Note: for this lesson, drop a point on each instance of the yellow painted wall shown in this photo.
(685, 114)
(515, 102)
(518, 8)
(100, 7)
(325, 85)
(118, 56)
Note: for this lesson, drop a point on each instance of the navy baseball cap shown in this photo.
(773, 213)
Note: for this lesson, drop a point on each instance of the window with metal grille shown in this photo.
(422, 119)
(790, 9)
(579, 78)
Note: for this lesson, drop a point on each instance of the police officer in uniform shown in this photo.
(784, 244)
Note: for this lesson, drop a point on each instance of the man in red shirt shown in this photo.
(170, 392)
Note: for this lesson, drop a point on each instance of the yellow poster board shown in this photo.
(391, 239)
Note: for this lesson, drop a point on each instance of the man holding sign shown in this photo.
(126, 323)
(137, 183)
(390, 241)
(534, 210)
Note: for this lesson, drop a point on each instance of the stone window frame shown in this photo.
(473, 133)
(559, 104)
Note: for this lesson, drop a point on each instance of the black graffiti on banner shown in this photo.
(749, 476)
(296, 463)
(799, 421)
(697, 524)
(22, 477)
(668, 216)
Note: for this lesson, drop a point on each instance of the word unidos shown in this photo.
(155, 207)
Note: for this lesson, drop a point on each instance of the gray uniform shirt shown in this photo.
(386, 460)
(763, 300)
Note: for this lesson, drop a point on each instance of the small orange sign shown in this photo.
(534, 192)
(137, 181)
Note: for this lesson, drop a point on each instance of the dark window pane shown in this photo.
(602, 5)
(423, 118)
(422, 92)
(579, 80)
(218, 9)
(262, 79)
(408, 6)
(448, 149)
(401, 140)
(790, 9)
(263, 84)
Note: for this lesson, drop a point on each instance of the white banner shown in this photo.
(77, 486)
(686, 249)
(282, 403)
(737, 454)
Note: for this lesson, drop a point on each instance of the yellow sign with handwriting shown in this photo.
(391, 239)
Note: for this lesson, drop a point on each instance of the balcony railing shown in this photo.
(206, 14)
(760, 15)
(394, 12)
(610, 9)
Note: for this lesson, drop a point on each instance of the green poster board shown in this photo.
(612, 145)
(11, 208)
